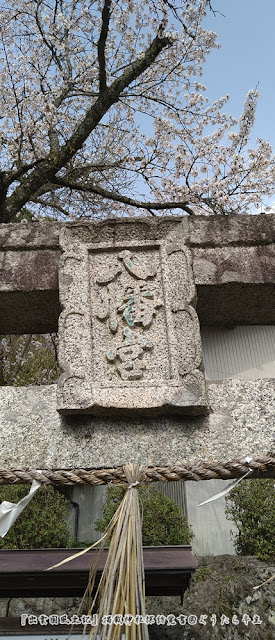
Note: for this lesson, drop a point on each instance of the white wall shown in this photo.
(90, 500)
(246, 352)
(208, 522)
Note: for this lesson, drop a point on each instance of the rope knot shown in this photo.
(133, 484)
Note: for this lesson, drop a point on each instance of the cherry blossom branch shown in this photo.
(110, 96)
(47, 170)
(79, 83)
(11, 176)
(48, 44)
(51, 205)
(118, 197)
(106, 11)
(16, 101)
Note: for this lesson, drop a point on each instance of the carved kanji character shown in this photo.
(129, 351)
(134, 265)
(138, 305)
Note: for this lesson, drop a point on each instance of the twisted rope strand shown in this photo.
(263, 466)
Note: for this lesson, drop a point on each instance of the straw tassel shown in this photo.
(121, 591)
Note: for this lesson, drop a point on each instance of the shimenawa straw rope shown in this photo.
(261, 466)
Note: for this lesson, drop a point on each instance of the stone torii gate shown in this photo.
(132, 387)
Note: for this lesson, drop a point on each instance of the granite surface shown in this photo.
(129, 337)
(34, 435)
(233, 259)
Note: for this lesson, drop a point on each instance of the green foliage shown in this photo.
(163, 521)
(41, 366)
(251, 506)
(43, 522)
(80, 544)
(28, 359)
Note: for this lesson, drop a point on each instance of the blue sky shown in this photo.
(244, 61)
(246, 58)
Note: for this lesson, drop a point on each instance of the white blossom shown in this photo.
(160, 136)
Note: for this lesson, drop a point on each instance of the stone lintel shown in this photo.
(240, 230)
(29, 259)
(203, 231)
(233, 260)
(236, 303)
(221, 265)
(29, 235)
(34, 435)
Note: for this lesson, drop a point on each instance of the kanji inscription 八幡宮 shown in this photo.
(129, 304)
(129, 334)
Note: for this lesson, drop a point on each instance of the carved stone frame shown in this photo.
(82, 387)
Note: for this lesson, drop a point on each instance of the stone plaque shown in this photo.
(129, 334)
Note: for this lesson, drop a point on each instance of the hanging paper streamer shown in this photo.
(9, 511)
(228, 487)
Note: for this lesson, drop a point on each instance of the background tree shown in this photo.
(43, 524)
(251, 506)
(101, 100)
(28, 359)
(163, 522)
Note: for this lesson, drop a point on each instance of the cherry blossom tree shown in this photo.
(103, 112)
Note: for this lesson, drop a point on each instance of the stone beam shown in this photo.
(233, 262)
(234, 268)
(34, 435)
(29, 257)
